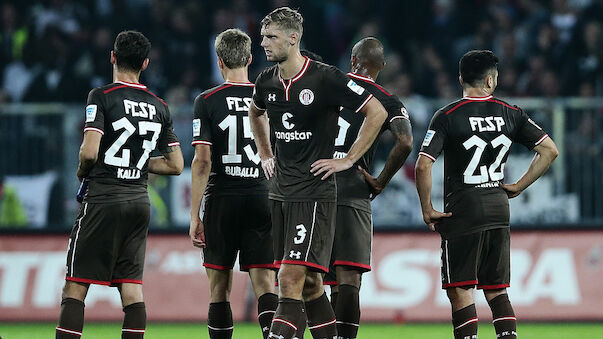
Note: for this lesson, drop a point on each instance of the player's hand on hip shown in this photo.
(196, 232)
(432, 217)
(512, 190)
(268, 167)
(329, 166)
(374, 184)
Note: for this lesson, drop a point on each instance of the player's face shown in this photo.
(276, 43)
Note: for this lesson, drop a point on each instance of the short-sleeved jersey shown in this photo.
(352, 188)
(475, 135)
(221, 120)
(303, 113)
(133, 122)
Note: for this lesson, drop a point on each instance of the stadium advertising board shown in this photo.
(555, 276)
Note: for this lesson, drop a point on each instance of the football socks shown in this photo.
(334, 299)
(287, 319)
(135, 321)
(301, 328)
(347, 311)
(219, 320)
(464, 322)
(505, 323)
(321, 318)
(267, 304)
(71, 319)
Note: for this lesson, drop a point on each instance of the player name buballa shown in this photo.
(243, 172)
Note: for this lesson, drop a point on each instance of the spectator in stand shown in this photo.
(12, 213)
(45, 43)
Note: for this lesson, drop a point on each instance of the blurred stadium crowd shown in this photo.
(56, 50)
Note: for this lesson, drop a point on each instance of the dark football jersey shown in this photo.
(352, 188)
(221, 120)
(303, 113)
(133, 122)
(475, 135)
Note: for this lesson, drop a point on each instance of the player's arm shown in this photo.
(88, 153)
(260, 128)
(93, 133)
(375, 116)
(170, 162)
(200, 169)
(423, 182)
(546, 152)
(402, 132)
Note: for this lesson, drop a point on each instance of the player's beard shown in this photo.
(278, 58)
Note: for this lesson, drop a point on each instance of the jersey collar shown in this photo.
(479, 98)
(131, 84)
(236, 83)
(299, 74)
(287, 86)
(354, 75)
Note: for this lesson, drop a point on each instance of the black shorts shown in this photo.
(236, 223)
(303, 233)
(353, 241)
(107, 243)
(480, 258)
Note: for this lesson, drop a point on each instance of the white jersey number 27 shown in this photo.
(111, 157)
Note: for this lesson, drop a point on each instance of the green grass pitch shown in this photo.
(249, 331)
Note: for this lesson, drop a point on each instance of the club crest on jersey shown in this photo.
(306, 96)
(196, 127)
(271, 96)
(355, 87)
(428, 137)
(285, 120)
(90, 113)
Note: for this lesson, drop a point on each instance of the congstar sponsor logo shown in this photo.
(288, 124)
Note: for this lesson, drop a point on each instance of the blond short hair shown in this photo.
(233, 46)
(286, 18)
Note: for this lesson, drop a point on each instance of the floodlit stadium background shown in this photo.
(53, 52)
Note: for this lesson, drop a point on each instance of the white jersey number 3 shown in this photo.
(301, 234)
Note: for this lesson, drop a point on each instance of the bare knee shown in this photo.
(491, 294)
(313, 286)
(130, 293)
(75, 290)
(348, 276)
(460, 297)
(291, 280)
(262, 280)
(220, 285)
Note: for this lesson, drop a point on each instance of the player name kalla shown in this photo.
(128, 173)
(243, 172)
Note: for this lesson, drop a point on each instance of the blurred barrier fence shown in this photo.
(556, 276)
(40, 142)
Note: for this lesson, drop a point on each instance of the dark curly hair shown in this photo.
(474, 66)
(131, 48)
